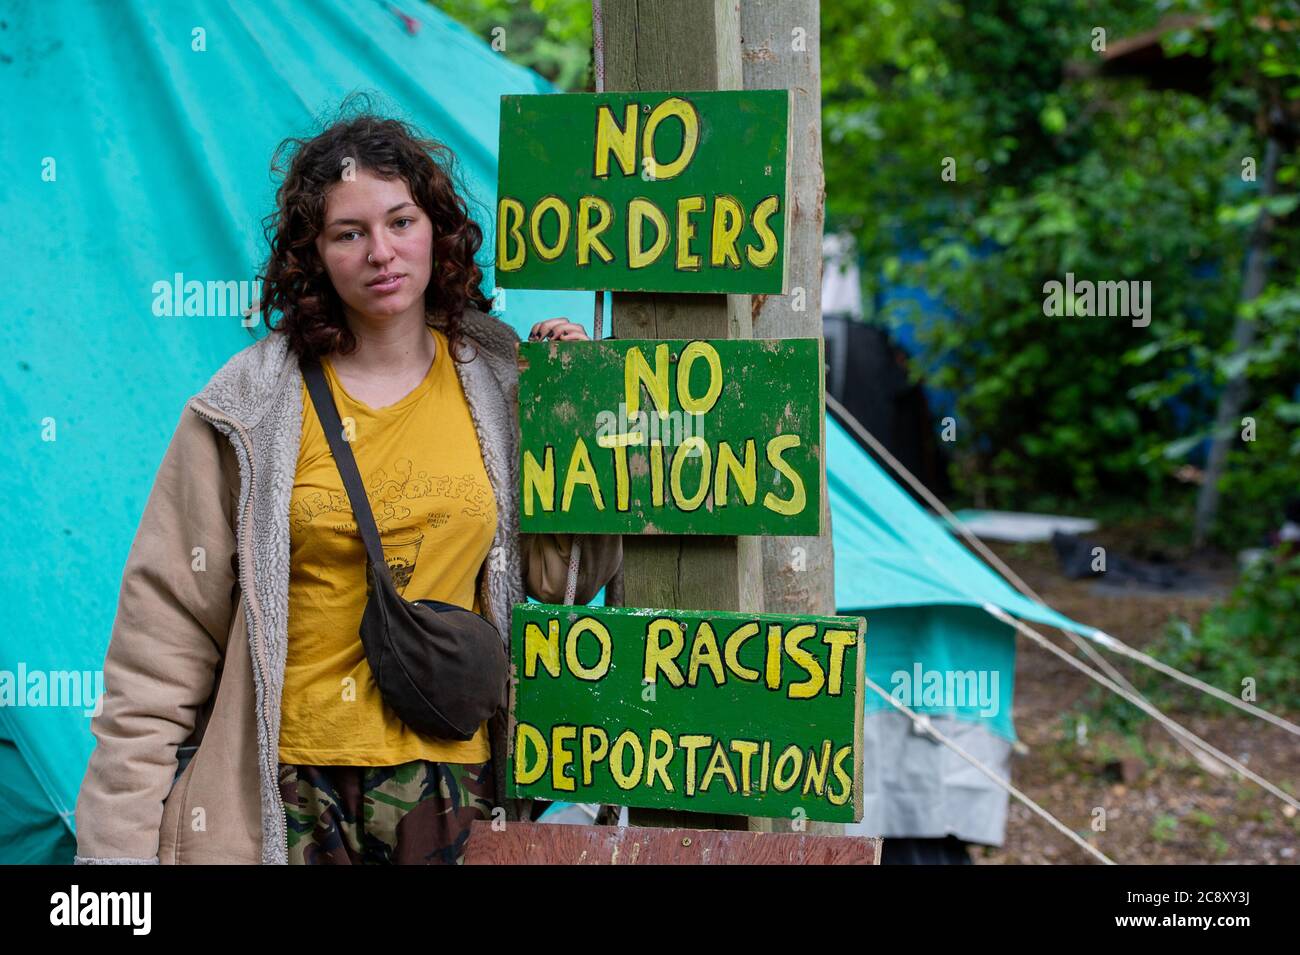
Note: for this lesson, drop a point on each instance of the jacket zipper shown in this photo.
(214, 417)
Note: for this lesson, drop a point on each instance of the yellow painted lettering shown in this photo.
(656, 472)
(791, 758)
(838, 641)
(731, 652)
(539, 480)
(601, 633)
(554, 204)
(561, 757)
(687, 261)
(622, 480)
(581, 472)
(815, 777)
(728, 220)
(623, 778)
(745, 749)
(637, 372)
(657, 762)
(773, 668)
(664, 658)
(719, 765)
(638, 211)
(545, 648)
(528, 736)
(810, 687)
(692, 742)
(510, 221)
(844, 779)
(690, 354)
(589, 232)
(595, 745)
(705, 652)
(684, 111)
(798, 499)
(620, 142)
(763, 257)
(680, 457)
(730, 468)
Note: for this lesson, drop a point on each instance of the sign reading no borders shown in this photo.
(669, 192)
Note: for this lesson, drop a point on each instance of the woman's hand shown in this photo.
(557, 329)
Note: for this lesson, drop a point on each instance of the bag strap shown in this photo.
(323, 400)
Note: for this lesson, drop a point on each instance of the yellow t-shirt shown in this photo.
(423, 471)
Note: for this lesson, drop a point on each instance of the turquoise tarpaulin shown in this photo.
(921, 591)
(138, 138)
(139, 159)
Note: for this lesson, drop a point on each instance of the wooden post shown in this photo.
(780, 48)
(780, 40)
(681, 59)
(682, 45)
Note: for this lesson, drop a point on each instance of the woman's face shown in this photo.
(376, 246)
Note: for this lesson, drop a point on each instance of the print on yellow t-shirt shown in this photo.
(422, 468)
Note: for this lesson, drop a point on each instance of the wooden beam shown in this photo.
(780, 48)
(535, 843)
(780, 41)
(682, 45)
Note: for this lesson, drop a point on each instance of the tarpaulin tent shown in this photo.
(923, 594)
(138, 136)
(141, 134)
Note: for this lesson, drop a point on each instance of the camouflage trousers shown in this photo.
(418, 813)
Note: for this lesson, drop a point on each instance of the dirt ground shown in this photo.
(1159, 805)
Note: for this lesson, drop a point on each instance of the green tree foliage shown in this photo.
(1059, 171)
(1254, 46)
(551, 37)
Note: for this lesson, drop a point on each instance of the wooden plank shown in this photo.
(705, 711)
(671, 437)
(536, 843)
(665, 191)
(781, 49)
(682, 45)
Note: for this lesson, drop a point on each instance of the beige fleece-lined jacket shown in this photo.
(196, 658)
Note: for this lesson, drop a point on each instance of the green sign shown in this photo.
(671, 437)
(645, 191)
(740, 714)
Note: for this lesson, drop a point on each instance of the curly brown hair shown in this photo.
(294, 281)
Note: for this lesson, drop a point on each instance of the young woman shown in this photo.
(236, 637)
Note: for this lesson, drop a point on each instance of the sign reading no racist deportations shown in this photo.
(671, 437)
(741, 714)
(645, 191)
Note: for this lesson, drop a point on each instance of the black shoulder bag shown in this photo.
(441, 668)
